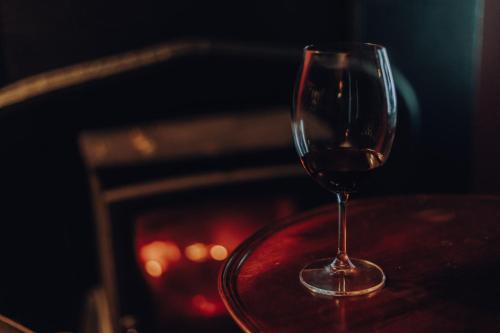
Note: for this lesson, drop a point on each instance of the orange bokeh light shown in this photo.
(155, 268)
(196, 252)
(218, 252)
(203, 305)
(158, 255)
(161, 251)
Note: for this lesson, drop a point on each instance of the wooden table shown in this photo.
(441, 255)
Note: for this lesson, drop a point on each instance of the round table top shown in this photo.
(441, 256)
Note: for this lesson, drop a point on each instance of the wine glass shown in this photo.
(343, 124)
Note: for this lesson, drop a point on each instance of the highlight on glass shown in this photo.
(343, 124)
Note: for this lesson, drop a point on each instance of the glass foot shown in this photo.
(320, 278)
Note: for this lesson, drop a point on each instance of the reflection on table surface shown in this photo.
(440, 255)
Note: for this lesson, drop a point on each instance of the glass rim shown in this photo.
(341, 47)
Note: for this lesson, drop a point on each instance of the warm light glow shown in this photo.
(203, 305)
(196, 252)
(218, 252)
(158, 255)
(341, 86)
(161, 251)
(143, 143)
(100, 150)
(154, 268)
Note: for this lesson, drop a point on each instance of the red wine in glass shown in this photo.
(343, 125)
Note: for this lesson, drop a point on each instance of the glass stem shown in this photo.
(342, 261)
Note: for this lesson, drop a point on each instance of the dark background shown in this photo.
(47, 242)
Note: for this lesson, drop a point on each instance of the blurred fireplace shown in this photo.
(172, 200)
